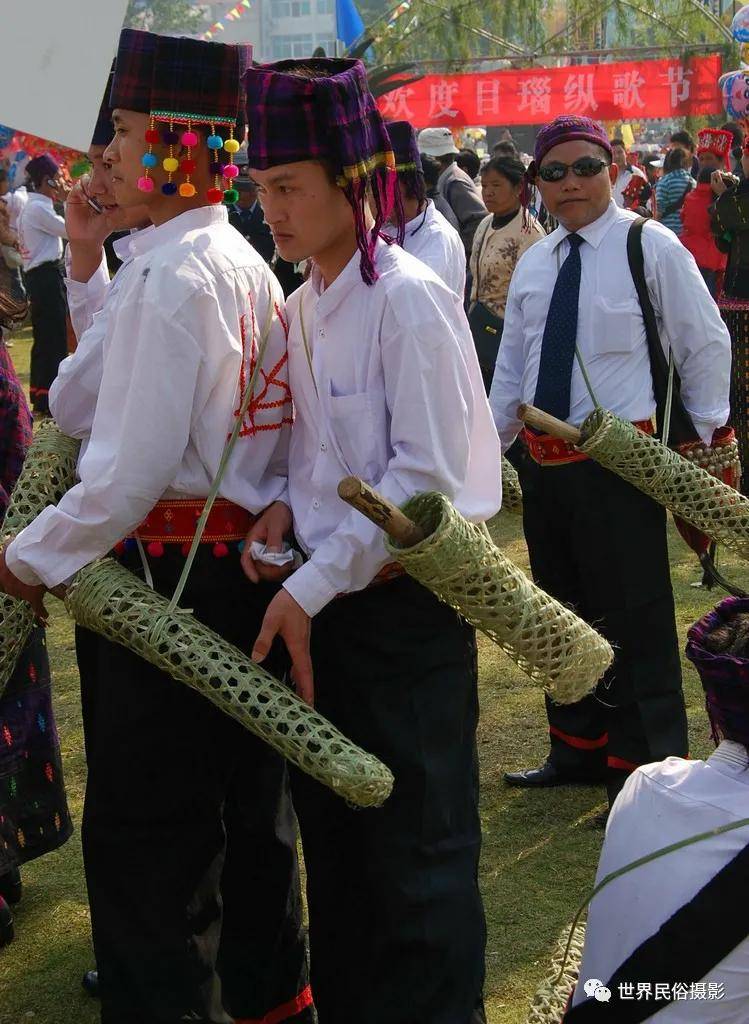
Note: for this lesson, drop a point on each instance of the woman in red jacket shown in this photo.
(697, 235)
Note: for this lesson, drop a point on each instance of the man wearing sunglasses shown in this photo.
(594, 541)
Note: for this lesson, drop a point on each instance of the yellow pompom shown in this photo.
(170, 164)
(187, 189)
(231, 146)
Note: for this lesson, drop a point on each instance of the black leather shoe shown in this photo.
(11, 887)
(90, 982)
(545, 777)
(6, 923)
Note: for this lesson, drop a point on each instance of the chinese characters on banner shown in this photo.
(609, 92)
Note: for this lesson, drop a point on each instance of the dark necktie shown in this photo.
(560, 334)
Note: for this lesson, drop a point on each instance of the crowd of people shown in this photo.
(407, 297)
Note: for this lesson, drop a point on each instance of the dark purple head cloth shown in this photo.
(180, 76)
(42, 167)
(569, 128)
(322, 109)
(403, 140)
(725, 677)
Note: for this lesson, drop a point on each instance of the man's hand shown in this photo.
(13, 587)
(285, 618)
(270, 529)
(86, 228)
(718, 183)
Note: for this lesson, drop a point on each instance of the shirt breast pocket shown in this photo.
(358, 425)
(617, 326)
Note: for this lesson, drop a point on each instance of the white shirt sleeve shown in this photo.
(692, 328)
(44, 218)
(75, 389)
(430, 400)
(505, 394)
(140, 431)
(86, 297)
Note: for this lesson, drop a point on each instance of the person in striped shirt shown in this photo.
(672, 189)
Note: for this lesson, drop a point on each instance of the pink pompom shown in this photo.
(145, 184)
(155, 549)
(220, 550)
(186, 549)
(230, 171)
(189, 139)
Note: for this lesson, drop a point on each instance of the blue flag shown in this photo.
(348, 21)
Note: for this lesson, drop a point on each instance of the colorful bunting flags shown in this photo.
(234, 14)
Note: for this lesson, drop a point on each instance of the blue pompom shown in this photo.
(240, 547)
(130, 544)
(214, 142)
(149, 159)
(169, 188)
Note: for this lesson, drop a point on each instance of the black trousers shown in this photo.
(599, 545)
(189, 837)
(46, 292)
(397, 930)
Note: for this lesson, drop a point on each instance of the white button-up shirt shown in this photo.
(73, 393)
(180, 340)
(40, 232)
(430, 238)
(662, 804)
(611, 331)
(396, 399)
(15, 201)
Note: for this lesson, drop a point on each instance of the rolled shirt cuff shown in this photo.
(310, 588)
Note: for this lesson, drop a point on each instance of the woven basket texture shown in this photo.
(512, 499)
(48, 472)
(550, 1001)
(110, 600)
(719, 511)
(458, 562)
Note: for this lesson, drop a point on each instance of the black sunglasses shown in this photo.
(585, 167)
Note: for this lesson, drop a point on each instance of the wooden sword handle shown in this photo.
(380, 511)
(547, 424)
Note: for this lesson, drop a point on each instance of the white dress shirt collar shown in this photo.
(731, 759)
(191, 220)
(593, 233)
(328, 299)
(39, 197)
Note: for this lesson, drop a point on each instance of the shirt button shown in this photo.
(315, 503)
(323, 446)
(321, 332)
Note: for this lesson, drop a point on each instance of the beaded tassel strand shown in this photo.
(148, 160)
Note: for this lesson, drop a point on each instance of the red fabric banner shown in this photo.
(628, 91)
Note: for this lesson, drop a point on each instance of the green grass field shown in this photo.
(539, 856)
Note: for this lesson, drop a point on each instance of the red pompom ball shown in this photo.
(187, 166)
(186, 549)
(220, 550)
(153, 136)
(155, 549)
(215, 195)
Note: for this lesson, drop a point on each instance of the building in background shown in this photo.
(277, 29)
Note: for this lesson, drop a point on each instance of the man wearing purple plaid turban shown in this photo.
(386, 386)
(188, 834)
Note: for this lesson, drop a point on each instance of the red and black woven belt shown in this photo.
(552, 451)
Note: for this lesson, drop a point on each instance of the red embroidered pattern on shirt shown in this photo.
(258, 401)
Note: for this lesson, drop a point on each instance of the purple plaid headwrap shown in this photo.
(133, 71)
(42, 167)
(187, 78)
(322, 109)
(403, 140)
(725, 677)
(103, 129)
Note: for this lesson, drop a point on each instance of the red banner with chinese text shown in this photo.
(629, 91)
